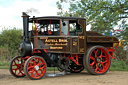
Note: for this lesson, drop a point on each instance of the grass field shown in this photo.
(119, 65)
(4, 65)
(116, 65)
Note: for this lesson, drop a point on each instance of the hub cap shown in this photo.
(36, 68)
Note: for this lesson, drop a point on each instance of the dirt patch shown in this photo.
(83, 78)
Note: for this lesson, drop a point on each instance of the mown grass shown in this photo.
(119, 65)
(4, 65)
(116, 65)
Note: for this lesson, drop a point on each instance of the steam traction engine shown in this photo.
(61, 42)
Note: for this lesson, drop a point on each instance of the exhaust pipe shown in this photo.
(25, 25)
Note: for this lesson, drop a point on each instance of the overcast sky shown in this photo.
(11, 10)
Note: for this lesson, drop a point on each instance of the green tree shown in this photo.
(9, 42)
(103, 15)
(11, 38)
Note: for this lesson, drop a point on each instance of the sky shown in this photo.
(11, 11)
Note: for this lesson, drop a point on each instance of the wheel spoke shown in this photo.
(101, 54)
(15, 69)
(103, 62)
(42, 71)
(35, 74)
(96, 67)
(38, 62)
(41, 68)
(18, 65)
(17, 59)
(31, 71)
(30, 64)
(38, 73)
(100, 70)
(19, 72)
(22, 72)
(32, 74)
(15, 63)
(92, 58)
(92, 63)
(34, 62)
(96, 52)
(30, 67)
(103, 66)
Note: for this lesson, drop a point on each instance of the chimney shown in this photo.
(25, 25)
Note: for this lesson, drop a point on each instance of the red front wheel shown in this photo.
(35, 67)
(16, 67)
(97, 61)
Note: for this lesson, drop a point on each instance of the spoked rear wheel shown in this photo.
(97, 61)
(16, 67)
(35, 67)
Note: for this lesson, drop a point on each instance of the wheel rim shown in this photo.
(36, 68)
(17, 67)
(99, 60)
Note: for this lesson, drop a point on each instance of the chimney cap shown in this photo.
(24, 14)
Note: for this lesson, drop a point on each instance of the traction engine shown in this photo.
(61, 42)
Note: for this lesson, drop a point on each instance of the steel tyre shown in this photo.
(97, 60)
(16, 67)
(35, 67)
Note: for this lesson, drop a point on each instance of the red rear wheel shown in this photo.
(16, 67)
(97, 61)
(35, 67)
